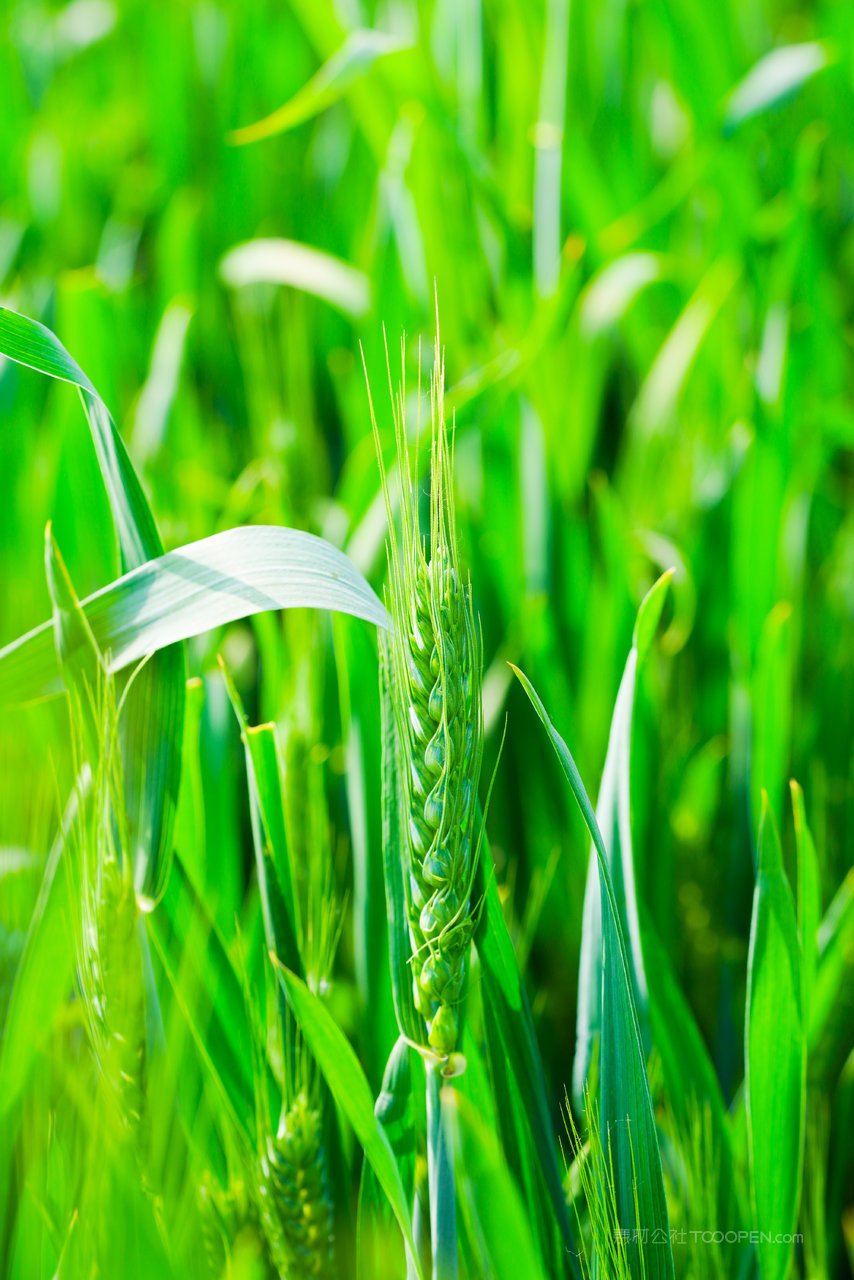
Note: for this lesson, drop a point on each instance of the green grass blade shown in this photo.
(267, 816)
(690, 1082)
(613, 815)
(772, 715)
(831, 1012)
(350, 63)
(774, 1056)
(809, 897)
(625, 1103)
(46, 971)
(358, 683)
(209, 993)
(377, 1237)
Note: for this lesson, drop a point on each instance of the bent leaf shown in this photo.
(353, 60)
(301, 267)
(186, 592)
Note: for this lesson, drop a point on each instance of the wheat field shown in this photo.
(427, 550)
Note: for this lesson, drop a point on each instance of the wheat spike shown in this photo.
(295, 1197)
(437, 669)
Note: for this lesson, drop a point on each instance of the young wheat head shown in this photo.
(295, 1198)
(437, 674)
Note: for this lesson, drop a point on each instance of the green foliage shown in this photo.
(637, 221)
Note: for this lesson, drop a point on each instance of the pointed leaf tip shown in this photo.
(770, 853)
(649, 614)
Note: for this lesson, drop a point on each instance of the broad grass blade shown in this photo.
(613, 815)
(206, 584)
(774, 1056)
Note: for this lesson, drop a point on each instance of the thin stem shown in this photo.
(443, 1192)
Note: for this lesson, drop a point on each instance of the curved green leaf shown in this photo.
(152, 724)
(353, 60)
(613, 815)
(191, 590)
(301, 267)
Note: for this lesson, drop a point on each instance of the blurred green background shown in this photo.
(638, 219)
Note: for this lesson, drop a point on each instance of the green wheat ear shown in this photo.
(295, 1196)
(437, 668)
(290, 1171)
(230, 1226)
(110, 963)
